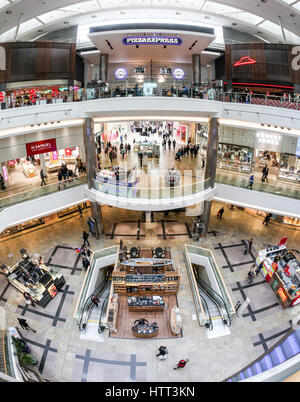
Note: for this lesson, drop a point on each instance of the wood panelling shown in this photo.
(273, 63)
(27, 61)
(126, 319)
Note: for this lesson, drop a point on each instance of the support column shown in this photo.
(103, 67)
(211, 165)
(196, 62)
(91, 163)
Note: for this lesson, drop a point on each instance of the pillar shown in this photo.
(103, 67)
(211, 165)
(91, 163)
(196, 63)
(43, 162)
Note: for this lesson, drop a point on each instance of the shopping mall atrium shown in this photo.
(149, 191)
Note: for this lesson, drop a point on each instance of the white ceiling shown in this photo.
(256, 17)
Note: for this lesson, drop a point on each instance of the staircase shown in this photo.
(279, 354)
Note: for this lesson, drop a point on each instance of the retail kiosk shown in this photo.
(281, 269)
(145, 283)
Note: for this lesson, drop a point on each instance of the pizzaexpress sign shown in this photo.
(152, 40)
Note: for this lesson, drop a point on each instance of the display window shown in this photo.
(289, 168)
(267, 158)
(291, 221)
(235, 157)
(55, 159)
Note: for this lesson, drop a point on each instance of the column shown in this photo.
(196, 62)
(211, 165)
(103, 67)
(91, 163)
(43, 163)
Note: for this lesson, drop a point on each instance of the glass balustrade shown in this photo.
(87, 94)
(285, 190)
(28, 193)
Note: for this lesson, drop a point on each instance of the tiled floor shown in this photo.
(63, 356)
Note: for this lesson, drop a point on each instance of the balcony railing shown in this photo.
(30, 193)
(277, 189)
(134, 192)
(86, 94)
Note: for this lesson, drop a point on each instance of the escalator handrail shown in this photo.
(208, 312)
(228, 323)
(99, 289)
(100, 318)
(211, 298)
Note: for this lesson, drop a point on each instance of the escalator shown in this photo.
(89, 306)
(208, 325)
(215, 302)
(285, 349)
(5, 362)
(102, 324)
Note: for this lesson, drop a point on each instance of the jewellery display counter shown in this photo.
(145, 331)
(146, 304)
(281, 269)
(289, 168)
(146, 276)
(28, 169)
(235, 158)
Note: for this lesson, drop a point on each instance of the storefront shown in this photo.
(181, 132)
(289, 169)
(235, 158)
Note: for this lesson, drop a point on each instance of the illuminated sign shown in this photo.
(282, 295)
(165, 71)
(140, 70)
(2, 97)
(244, 61)
(152, 40)
(120, 74)
(178, 73)
(41, 147)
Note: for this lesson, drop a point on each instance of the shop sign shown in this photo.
(244, 61)
(120, 74)
(68, 152)
(178, 73)
(41, 147)
(152, 40)
(2, 97)
(282, 295)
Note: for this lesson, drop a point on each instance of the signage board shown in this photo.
(178, 73)
(282, 295)
(244, 61)
(41, 147)
(2, 96)
(152, 40)
(165, 70)
(120, 74)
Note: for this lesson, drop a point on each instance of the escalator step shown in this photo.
(256, 368)
(248, 373)
(242, 376)
(297, 335)
(266, 363)
(277, 356)
(290, 346)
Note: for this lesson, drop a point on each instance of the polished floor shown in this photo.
(63, 356)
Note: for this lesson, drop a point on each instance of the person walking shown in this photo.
(59, 176)
(251, 181)
(267, 219)
(24, 325)
(251, 274)
(42, 175)
(162, 352)
(174, 144)
(246, 247)
(28, 299)
(80, 212)
(220, 213)
(95, 300)
(85, 263)
(85, 237)
(250, 243)
(181, 364)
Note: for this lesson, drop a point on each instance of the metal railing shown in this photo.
(87, 94)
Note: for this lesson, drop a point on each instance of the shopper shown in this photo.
(251, 181)
(181, 364)
(42, 174)
(250, 245)
(246, 247)
(85, 263)
(162, 352)
(267, 219)
(95, 300)
(24, 325)
(220, 213)
(80, 212)
(28, 299)
(174, 144)
(85, 237)
(251, 274)
(59, 177)
(2, 183)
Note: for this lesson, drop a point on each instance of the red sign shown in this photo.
(282, 295)
(2, 97)
(244, 61)
(68, 152)
(41, 147)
